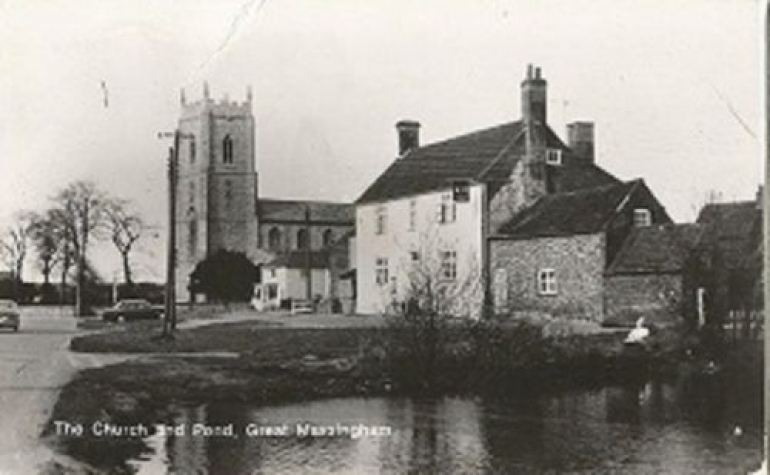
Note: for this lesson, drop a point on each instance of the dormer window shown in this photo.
(461, 191)
(553, 156)
(642, 218)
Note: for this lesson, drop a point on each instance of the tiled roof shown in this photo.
(271, 210)
(298, 260)
(656, 249)
(485, 155)
(576, 212)
(729, 227)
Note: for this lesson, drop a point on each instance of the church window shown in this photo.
(274, 239)
(227, 149)
(192, 149)
(328, 237)
(302, 241)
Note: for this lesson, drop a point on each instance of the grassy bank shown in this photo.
(281, 365)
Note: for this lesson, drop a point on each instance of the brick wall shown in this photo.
(656, 297)
(578, 262)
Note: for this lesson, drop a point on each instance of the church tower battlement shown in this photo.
(217, 185)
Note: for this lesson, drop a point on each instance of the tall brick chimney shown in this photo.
(534, 97)
(408, 135)
(580, 138)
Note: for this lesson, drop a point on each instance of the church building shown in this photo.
(218, 201)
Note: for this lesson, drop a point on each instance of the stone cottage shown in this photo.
(655, 275)
(552, 257)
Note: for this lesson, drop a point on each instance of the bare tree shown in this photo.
(125, 228)
(15, 243)
(47, 237)
(436, 299)
(80, 210)
(64, 248)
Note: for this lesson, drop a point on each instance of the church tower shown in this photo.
(217, 182)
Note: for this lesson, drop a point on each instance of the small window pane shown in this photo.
(546, 282)
(642, 217)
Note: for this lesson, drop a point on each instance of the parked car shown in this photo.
(131, 309)
(9, 315)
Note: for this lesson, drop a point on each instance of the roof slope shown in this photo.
(575, 212)
(729, 227)
(270, 210)
(485, 155)
(656, 249)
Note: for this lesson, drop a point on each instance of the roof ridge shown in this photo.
(500, 155)
(633, 185)
(591, 189)
(526, 215)
(732, 203)
(628, 242)
(467, 135)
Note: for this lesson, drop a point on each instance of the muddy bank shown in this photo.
(279, 367)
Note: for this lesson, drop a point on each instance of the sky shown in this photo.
(674, 88)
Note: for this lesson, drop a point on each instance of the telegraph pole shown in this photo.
(169, 320)
(308, 258)
(170, 307)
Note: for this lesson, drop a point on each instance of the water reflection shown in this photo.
(649, 428)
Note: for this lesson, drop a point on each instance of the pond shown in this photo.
(646, 428)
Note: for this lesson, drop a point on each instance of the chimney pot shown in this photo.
(534, 97)
(408, 135)
(580, 138)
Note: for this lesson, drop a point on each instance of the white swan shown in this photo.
(638, 334)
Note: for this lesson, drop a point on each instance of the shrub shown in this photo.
(225, 276)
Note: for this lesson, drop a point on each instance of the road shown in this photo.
(34, 365)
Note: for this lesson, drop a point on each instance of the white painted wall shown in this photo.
(295, 283)
(428, 238)
(291, 284)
